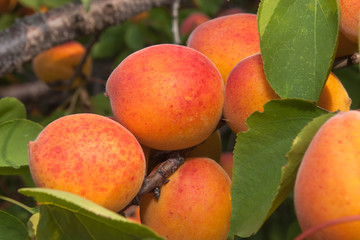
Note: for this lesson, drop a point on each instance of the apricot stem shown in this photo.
(330, 223)
(346, 61)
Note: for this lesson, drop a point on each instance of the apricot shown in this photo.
(227, 162)
(194, 204)
(247, 90)
(346, 47)
(57, 65)
(191, 22)
(89, 155)
(227, 40)
(349, 20)
(328, 178)
(210, 148)
(169, 96)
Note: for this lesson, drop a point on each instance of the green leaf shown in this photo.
(11, 227)
(209, 7)
(101, 105)
(134, 37)
(14, 139)
(259, 156)
(32, 224)
(110, 43)
(295, 155)
(64, 215)
(298, 41)
(11, 108)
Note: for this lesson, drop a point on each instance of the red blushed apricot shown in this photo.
(169, 96)
(247, 90)
(194, 204)
(58, 64)
(328, 178)
(349, 21)
(191, 22)
(89, 155)
(227, 40)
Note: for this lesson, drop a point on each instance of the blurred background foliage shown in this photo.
(112, 46)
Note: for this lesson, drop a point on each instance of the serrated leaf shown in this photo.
(64, 215)
(295, 155)
(14, 138)
(11, 108)
(11, 227)
(259, 156)
(298, 40)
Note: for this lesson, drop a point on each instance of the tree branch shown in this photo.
(31, 35)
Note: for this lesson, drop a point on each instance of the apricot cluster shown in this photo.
(167, 97)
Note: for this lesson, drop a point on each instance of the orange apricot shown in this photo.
(227, 40)
(328, 178)
(57, 65)
(169, 96)
(194, 204)
(89, 155)
(227, 162)
(247, 90)
(349, 20)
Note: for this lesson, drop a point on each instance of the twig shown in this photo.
(169, 161)
(33, 34)
(346, 61)
(175, 21)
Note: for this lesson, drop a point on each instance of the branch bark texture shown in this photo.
(31, 35)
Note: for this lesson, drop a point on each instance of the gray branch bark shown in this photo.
(31, 35)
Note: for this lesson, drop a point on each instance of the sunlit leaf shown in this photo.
(64, 215)
(298, 40)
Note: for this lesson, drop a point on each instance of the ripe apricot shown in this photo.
(57, 65)
(194, 204)
(169, 96)
(227, 40)
(89, 155)
(247, 90)
(328, 178)
(349, 20)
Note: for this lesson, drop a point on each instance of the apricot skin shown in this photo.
(89, 155)
(227, 162)
(349, 21)
(169, 96)
(58, 64)
(227, 40)
(210, 148)
(327, 182)
(247, 90)
(194, 204)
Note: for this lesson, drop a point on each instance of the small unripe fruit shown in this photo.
(89, 155)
